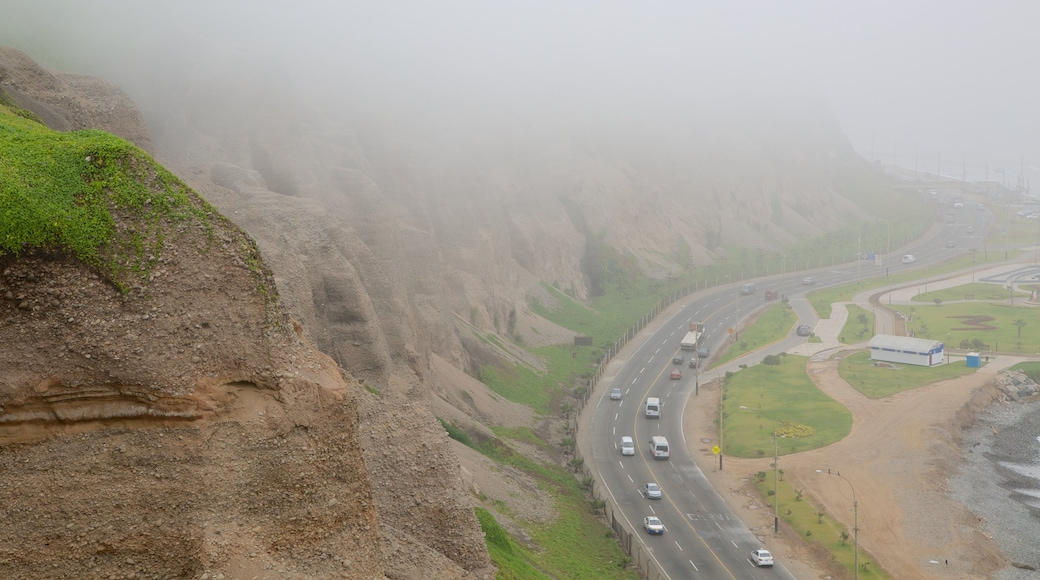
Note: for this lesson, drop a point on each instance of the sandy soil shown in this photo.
(899, 456)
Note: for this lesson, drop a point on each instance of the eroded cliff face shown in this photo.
(177, 423)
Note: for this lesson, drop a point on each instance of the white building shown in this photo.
(906, 350)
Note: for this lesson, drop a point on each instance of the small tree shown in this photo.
(771, 360)
(819, 517)
(938, 301)
(1019, 323)
(844, 537)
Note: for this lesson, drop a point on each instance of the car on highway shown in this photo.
(678, 359)
(971, 230)
(808, 281)
(653, 525)
(951, 243)
(694, 363)
(804, 330)
(628, 446)
(676, 374)
(980, 207)
(615, 394)
(761, 558)
(652, 491)
(909, 259)
(703, 352)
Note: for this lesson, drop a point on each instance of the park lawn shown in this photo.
(994, 328)
(803, 515)
(822, 299)
(765, 398)
(980, 291)
(857, 329)
(773, 324)
(879, 382)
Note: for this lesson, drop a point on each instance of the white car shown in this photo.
(652, 491)
(761, 558)
(628, 446)
(615, 394)
(808, 281)
(653, 525)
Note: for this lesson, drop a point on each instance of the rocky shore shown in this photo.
(1000, 477)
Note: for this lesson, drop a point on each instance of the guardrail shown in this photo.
(640, 556)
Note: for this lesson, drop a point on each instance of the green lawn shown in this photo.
(762, 399)
(878, 382)
(976, 291)
(859, 327)
(981, 326)
(770, 326)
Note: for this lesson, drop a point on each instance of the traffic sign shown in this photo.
(716, 449)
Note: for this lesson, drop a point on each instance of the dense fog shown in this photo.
(921, 82)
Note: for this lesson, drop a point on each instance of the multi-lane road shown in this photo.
(702, 537)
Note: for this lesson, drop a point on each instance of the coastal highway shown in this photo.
(703, 538)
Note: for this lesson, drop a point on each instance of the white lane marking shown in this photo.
(630, 478)
(640, 372)
(694, 565)
(616, 416)
(652, 510)
(734, 544)
(634, 381)
(717, 524)
(680, 547)
(613, 431)
(656, 351)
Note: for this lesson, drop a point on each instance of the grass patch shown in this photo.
(860, 325)
(773, 324)
(1031, 369)
(457, 433)
(979, 291)
(981, 326)
(575, 545)
(878, 382)
(802, 514)
(514, 561)
(89, 194)
(764, 398)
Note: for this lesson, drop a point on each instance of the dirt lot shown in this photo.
(899, 455)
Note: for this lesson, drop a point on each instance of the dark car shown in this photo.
(703, 352)
(804, 330)
(678, 360)
(694, 363)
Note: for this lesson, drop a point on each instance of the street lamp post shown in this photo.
(776, 489)
(855, 522)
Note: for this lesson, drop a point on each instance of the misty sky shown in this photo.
(949, 78)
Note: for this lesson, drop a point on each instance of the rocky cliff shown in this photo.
(160, 416)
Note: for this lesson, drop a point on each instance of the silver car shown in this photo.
(615, 394)
(652, 491)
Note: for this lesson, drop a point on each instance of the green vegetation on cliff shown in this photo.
(89, 194)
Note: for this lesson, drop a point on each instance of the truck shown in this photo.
(693, 337)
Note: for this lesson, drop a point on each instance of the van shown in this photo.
(653, 407)
(659, 447)
(909, 259)
(628, 446)
(747, 289)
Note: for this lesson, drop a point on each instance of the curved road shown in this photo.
(703, 538)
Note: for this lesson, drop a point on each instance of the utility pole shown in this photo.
(776, 490)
